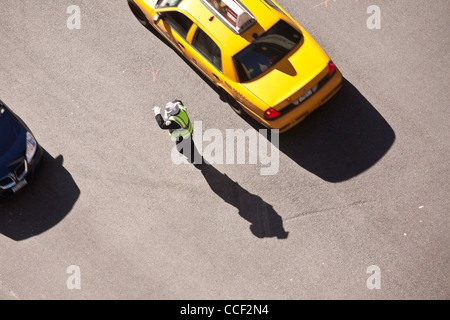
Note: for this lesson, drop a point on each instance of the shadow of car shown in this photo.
(339, 141)
(43, 204)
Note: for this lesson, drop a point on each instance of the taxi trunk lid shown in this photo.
(289, 76)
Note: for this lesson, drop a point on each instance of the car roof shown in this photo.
(228, 39)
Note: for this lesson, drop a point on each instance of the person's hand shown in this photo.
(157, 110)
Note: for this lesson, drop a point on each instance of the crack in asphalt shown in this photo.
(306, 213)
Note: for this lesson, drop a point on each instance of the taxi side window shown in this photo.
(178, 22)
(208, 48)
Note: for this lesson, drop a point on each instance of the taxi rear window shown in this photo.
(167, 3)
(266, 51)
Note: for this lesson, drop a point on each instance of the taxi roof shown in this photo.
(229, 40)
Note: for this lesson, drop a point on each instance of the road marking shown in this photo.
(325, 3)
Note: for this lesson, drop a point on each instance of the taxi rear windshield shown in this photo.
(167, 3)
(266, 51)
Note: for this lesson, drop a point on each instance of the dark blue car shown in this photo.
(20, 153)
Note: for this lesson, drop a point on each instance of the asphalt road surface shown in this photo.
(358, 207)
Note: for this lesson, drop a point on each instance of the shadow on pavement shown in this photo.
(264, 220)
(341, 139)
(50, 196)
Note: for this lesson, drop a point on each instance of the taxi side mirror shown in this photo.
(158, 16)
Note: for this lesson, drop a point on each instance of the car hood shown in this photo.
(12, 140)
(289, 75)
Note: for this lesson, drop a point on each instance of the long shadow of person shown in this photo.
(42, 204)
(265, 221)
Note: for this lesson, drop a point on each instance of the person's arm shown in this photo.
(166, 125)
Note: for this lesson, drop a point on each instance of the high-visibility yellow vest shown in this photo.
(183, 121)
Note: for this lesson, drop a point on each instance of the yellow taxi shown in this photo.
(261, 60)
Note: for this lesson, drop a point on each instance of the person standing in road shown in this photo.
(180, 128)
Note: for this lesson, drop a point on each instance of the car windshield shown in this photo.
(266, 51)
(167, 3)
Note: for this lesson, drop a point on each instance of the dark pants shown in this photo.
(187, 148)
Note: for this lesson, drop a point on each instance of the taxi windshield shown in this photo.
(266, 51)
(167, 3)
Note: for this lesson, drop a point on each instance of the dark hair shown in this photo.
(177, 100)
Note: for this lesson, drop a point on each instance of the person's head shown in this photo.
(173, 107)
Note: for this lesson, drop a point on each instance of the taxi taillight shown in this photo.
(271, 114)
(331, 68)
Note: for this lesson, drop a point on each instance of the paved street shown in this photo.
(363, 181)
